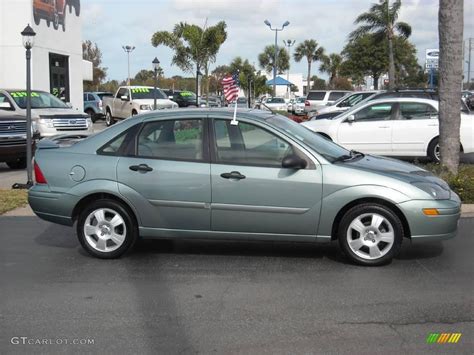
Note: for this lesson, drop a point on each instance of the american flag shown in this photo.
(231, 87)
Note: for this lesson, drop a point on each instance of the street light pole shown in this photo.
(156, 65)
(128, 49)
(275, 55)
(28, 41)
(288, 43)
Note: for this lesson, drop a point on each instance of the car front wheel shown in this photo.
(106, 229)
(370, 234)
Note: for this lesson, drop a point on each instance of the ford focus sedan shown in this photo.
(195, 174)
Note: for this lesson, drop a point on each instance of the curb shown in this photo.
(467, 211)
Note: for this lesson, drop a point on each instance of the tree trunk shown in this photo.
(391, 64)
(308, 82)
(450, 28)
(376, 81)
(207, 84)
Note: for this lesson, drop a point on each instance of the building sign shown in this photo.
(431, 59)
(53, 12)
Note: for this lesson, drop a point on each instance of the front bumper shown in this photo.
(430, 228)
(14, 150)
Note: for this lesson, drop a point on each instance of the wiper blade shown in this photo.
(354, 154)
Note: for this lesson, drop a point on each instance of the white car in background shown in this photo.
(275, 103)
(297, 108)
(317, 99)
(346, 102)
(393, 127)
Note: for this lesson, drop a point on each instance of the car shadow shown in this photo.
(64, 237)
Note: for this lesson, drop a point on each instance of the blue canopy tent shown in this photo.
(278, 81)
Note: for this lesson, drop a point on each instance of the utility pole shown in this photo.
(469, 65)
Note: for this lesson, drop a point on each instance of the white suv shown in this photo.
(393, 127)
(319, 98)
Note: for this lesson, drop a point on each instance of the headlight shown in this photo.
(48, 122)
(88, 122)
(145, 107)
(434, 190)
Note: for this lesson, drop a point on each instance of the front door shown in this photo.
(251, 192)
(171, 172)
(59, 76)
(371, 130)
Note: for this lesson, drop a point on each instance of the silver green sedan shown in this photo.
(195, 174)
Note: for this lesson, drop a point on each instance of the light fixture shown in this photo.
(28, 37)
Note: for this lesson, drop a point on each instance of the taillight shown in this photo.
(306, 103)
(39, 177)
(99, 104)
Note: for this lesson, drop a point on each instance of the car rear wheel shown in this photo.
(91, 114)
(109, 120)
(370, 234)
(106, 229)
(17, 164)
(433, 150)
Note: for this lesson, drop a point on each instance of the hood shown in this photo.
(394, 168)
(163, 103)
(60, 112)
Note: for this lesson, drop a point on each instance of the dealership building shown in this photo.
(56, 60)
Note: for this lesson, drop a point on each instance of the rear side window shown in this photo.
(316, 95)
(416, 111)
(333, 96)
(172, 140)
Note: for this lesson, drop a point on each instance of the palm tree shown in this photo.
(194, 47)
(266, 58)
(450, 28)
(311, 50)
(332, 65)
(381, 20)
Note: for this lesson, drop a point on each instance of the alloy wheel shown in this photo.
(370, 236)
(105, 230)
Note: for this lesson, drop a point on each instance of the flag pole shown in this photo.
(234, 121)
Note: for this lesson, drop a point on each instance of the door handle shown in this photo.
(233, 175)
(141, 168)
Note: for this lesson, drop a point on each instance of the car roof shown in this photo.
(403, 99)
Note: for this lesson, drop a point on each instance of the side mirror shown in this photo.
(5, 106)
(293, 161)
(124, 98)
(350, 118)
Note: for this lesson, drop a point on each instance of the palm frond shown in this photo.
(403, 28)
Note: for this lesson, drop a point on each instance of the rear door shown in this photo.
(371, 132)
(414, 126)
(251, 192)
(170, 169)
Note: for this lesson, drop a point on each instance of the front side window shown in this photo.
(5, 103)
(121, 92)
(416, 111)
(249, 145)
(377, 112)
(173, 139)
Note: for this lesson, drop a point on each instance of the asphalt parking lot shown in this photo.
(230, 297)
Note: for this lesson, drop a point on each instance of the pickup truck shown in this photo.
(49, 114)
(132, 100)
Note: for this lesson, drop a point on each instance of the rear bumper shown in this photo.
(51, 206)
(430, 228)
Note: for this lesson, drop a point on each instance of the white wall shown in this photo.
(14, 16)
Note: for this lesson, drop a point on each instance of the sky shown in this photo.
(114, 23)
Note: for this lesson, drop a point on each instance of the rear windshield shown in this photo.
(316, 95)
(276, 100)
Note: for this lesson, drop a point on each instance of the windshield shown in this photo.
(188, 96)
(241, 100)
(39, 99)
(301, 100)
(353, 99)
(276, 100)
(147, 93)
(328, 149)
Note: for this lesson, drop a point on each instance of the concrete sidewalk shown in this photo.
(467, 211)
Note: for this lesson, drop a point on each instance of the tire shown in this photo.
(100, 236)
(17, 164)
(134, 113)
(433, 150)
(63, 22)
(91, 114)
(36, 18)
(374, 245)
(109, 120)
(77, 7)
(48, 22)
(55, 20)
